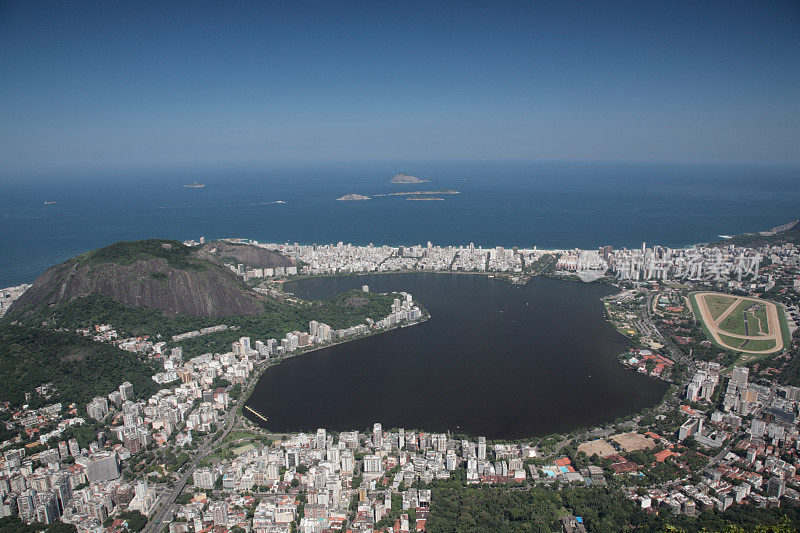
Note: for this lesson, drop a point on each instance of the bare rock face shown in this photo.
(251, 256)
(179, 281)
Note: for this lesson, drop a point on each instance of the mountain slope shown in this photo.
(157, 274)
(248, 255)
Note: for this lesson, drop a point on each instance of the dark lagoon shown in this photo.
(495, 359)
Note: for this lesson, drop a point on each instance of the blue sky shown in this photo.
(122, 84)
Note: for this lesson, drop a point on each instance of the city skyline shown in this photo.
(399, 267)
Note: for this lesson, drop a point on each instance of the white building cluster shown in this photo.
(343, 258)
(656, 263)
(9, 294)
(402, 311)
(696, 263)
(704, 382)
(377, 470)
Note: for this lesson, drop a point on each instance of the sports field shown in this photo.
(740, 323)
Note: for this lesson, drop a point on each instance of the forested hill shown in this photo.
(79, 368)
(275, 321)
(788, 234)
(156, 274)
(156, 288)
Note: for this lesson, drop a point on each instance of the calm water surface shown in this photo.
(494, 359)
(549, 205)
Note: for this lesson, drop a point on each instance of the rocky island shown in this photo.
(424, 193)
(351, 197)
(424, 198)
(405, 178)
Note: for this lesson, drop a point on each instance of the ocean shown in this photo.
(549, 205)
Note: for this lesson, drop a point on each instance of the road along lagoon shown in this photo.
(494, 359)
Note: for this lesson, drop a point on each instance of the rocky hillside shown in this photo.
(251, 256)
(157, 274)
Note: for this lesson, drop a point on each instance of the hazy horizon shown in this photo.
(378, 171)
(114, 85)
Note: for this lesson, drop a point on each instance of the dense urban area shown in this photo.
(174, 448)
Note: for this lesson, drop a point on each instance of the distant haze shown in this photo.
(117, 84)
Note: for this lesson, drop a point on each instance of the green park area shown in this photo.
(747, 318)
(718, 304)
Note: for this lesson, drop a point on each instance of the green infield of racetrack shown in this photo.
(753, 344)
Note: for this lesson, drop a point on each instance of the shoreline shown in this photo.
(663, 400)
(277, 362)
(502, 276)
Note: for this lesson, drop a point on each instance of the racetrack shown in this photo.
(713, 326)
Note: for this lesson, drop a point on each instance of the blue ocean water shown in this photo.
(550, 205)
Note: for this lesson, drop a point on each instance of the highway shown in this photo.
(167, 498)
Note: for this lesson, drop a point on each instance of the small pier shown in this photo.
(259, 415)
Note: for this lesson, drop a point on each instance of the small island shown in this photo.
(352, 197)
(405, 178)
(424, 198)
(424, 193)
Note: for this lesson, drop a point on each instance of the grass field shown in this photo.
(731, 341)
(757, 345)
(758, 320)
(718, 303)
(735, 321)
(747, 319)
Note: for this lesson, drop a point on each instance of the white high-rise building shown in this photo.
(97, 408)
(372, 464)
(26, 505)
(377, 435)
(261, 348)
(204, 478)
(219, 510)
(126, 391)
(482, 448)
(739, 376)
